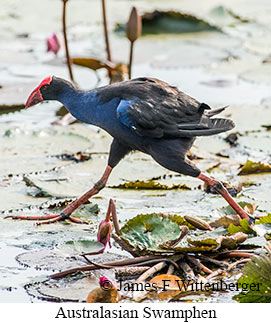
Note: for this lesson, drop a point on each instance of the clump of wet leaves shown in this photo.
(171, 246)
(150, 185)
(251, 167)
(158, 233)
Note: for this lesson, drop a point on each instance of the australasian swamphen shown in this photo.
(143, 114)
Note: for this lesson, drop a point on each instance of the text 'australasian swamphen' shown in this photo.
(143, 114)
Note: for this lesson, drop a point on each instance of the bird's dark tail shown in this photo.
(213, 112)
(216, 126)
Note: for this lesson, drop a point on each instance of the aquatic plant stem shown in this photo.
(131, 59)
(66, 40)
(123, 262)
(112, 208)
(151, 271)
(106, 37)
(197, 263)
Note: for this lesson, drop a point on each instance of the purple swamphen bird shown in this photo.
(143, 114)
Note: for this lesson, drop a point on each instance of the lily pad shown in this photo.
(78, 247)
(257, 276)
(242, 227)
(48, 259)
(158, 22)
(148, 231)
(72, 289)
(31, 151)
(212, 239)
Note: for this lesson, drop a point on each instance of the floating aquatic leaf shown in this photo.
(226, 220)
(78, 247)
(157, 22)
(242, 227)
(35, 190)
(119, 71)
(254, 242)
(223, 16)
(93, 63)
(251, 167)
(201, 242)
(263, 226)
(256, 279)
(212, 238)
(47, 259)
(172, 243)
(232, 241)
(264, 219)
(150, 185)
(263, 230)
(73, 289)
(148, 231)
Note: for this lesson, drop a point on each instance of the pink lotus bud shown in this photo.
(53, 44)
(104, 231)
(106, 283)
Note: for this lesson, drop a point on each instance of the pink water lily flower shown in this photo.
(53, 44)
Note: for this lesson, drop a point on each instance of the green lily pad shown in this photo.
(157, 22)
(211, 238)
(242, 227)
(148, 231)
(257, 276)
(78, 247)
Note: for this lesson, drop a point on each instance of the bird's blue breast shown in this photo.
(112, 116)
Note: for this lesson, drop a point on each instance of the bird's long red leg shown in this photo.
(222, 190)
(66, 213)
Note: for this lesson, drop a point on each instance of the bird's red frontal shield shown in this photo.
(35, 97)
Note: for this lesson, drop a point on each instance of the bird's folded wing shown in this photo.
(161, 121)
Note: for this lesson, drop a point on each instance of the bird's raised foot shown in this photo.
(47, 219)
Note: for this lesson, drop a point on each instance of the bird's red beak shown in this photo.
(35, 97)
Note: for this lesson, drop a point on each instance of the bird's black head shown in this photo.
(49, 89)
